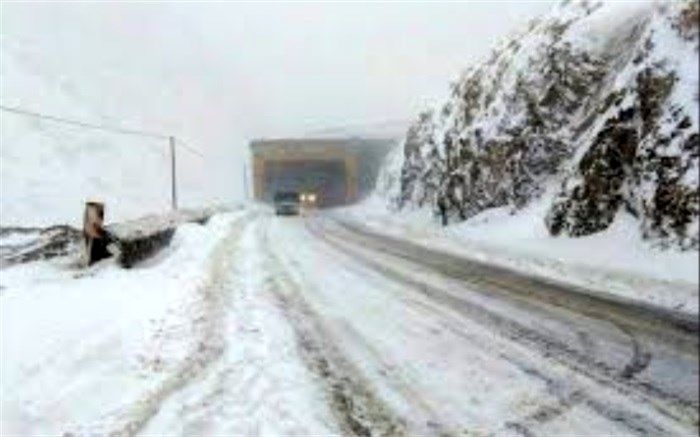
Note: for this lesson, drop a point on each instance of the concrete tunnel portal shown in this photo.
(338, 171)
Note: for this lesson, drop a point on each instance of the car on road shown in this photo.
(287, 203)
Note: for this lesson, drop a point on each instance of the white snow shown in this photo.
(17, 238)
(442, 372)
(258, 386)
(616, 261)
(611, 20)
(187, 343)
(197, 342)
(49, 169)
(79, 346)
(420, 368)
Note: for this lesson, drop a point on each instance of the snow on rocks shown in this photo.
(608, 116)
(19, 244)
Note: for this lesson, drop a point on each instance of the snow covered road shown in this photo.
(256, 324)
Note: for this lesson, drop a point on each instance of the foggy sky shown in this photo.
(220, 74)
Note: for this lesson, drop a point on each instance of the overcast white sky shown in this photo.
(222, 73)
(275, 68)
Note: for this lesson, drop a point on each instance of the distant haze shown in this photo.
(219, 74)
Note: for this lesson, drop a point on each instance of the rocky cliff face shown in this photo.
(595, 107)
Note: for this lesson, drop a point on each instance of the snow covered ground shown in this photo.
(256, 324)
(616, 261)
(78, 347)
(181, 338)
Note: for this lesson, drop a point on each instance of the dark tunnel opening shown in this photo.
(325, 178)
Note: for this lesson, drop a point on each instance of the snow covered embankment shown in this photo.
(107, 341)
(583, 127)
(613, 262)
(591, 111)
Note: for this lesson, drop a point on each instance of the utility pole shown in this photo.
(245, 181)
(173, 173)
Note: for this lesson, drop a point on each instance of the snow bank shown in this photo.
(616, 261)
(79, 346)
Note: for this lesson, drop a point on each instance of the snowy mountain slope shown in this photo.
(592, 109)
(49, 169)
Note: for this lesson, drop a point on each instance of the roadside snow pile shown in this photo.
(135, 240)
(155, 222)
(49, 169)
(615, 261)
(141, 238)
(593, 110)
(106, 341)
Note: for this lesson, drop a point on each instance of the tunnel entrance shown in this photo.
(338, 170)
(327, 179)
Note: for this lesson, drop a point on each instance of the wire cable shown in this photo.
(82, 123)
(187, 147)
(86, 125)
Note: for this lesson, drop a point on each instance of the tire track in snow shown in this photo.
(207, 347)
(565, 398)
(598, 372)
(358, 410)
(260, 386)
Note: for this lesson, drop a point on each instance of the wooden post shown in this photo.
(173, 173)
(94, 234)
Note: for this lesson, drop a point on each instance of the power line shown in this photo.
(86, 125)
(83, 124)
(171, 139)
(186, 146)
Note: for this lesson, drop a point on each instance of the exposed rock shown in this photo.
(605, 115)
(37, 243)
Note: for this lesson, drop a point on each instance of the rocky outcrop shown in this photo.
(25, 244)
(601, 103)
(645, 157)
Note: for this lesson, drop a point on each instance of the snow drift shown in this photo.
(592, 110)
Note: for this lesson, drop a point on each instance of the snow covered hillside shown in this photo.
(589, 116)
(49, 169)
